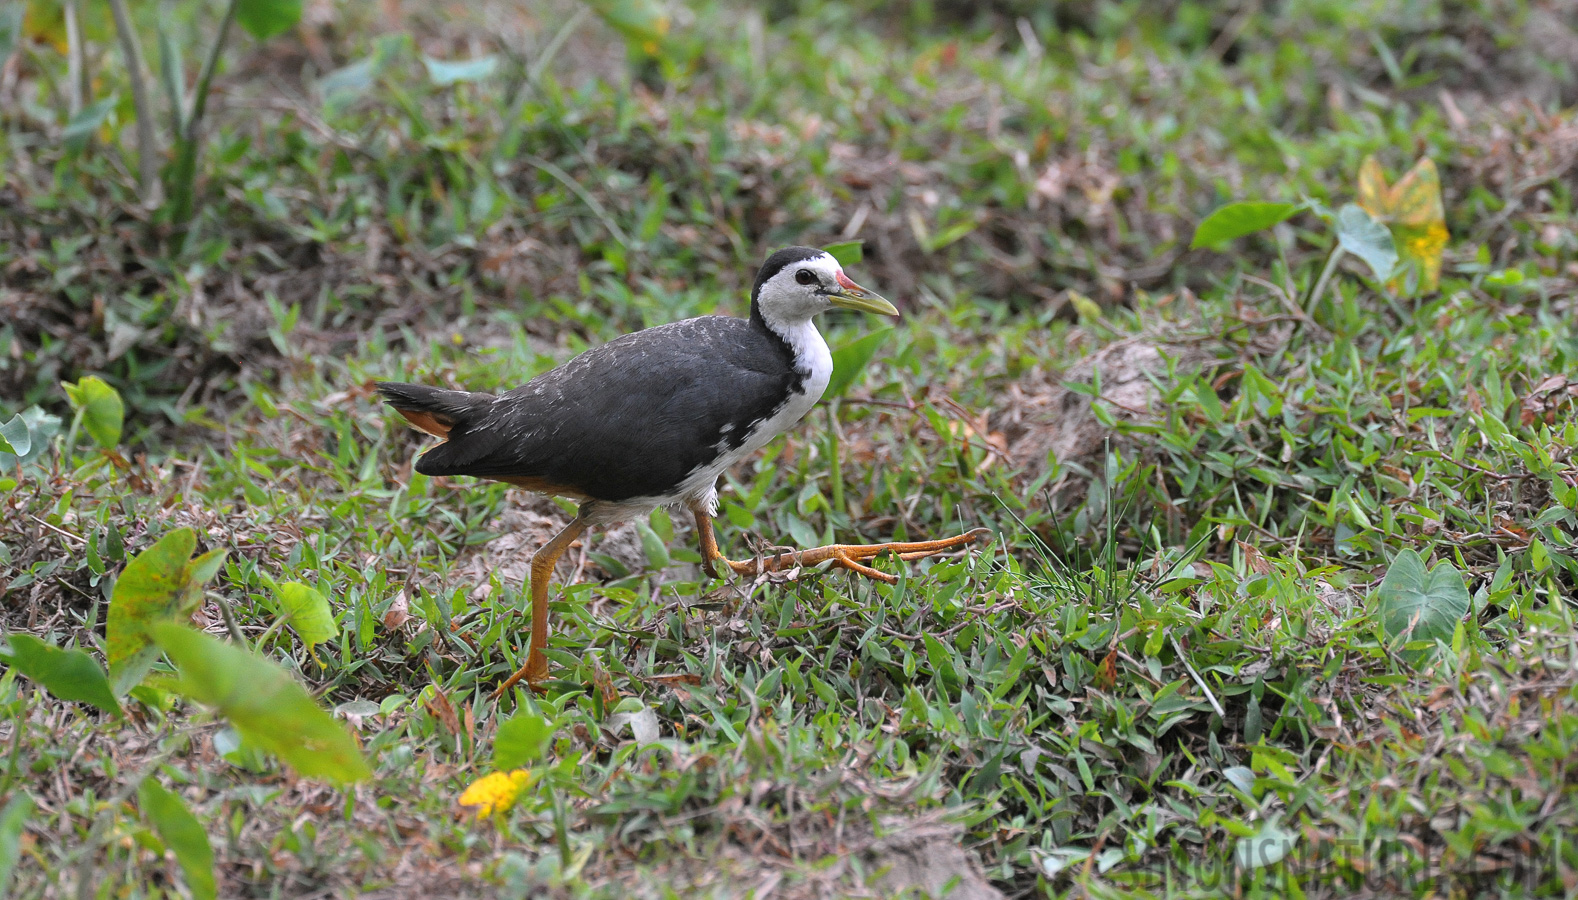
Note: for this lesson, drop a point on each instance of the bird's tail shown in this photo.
(434, 410)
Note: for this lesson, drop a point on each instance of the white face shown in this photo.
(800, 290)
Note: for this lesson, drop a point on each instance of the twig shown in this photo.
(1196, 676)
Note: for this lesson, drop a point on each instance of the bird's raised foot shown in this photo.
(534, 673)
(853, 556)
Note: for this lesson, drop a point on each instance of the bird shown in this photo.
(654, 418)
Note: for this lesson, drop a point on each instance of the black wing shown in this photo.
(632, 417)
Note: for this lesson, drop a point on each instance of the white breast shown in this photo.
(814, 361)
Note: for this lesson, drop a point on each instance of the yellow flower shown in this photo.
(495, 793)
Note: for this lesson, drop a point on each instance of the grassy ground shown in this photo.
(1169, 672)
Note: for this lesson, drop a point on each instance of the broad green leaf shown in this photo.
(1265, 848)
(162, 582)
(182, 833)
(851, 359)
(267, 706)
(172, 77)
(86, 123)
(445, 74)
(32, 427)
(68, 674)
(1238, 219)
(520, 740)
(345, 85)
(848, 253)
(1413, 210)
(264, 19)
(1360, 234)
(154, 587)
(15, 438)
(103, 413)
(13, 818)
(644, 23)
(308, 612)
(203, 569)
(1419, 605)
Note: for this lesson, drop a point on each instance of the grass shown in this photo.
(1168, 674)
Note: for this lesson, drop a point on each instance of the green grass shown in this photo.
(1168, 666)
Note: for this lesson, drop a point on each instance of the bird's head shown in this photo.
(799, 282)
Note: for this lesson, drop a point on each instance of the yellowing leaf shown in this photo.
(495, 793)
(1412, 209)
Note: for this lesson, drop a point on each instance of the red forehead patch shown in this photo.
(846, 284)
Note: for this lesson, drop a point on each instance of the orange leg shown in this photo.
(535, 671)
(846, 556)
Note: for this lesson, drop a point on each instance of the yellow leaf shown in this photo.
(1412, 209)
(495, 793)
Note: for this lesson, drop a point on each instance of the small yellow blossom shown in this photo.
(495, 793)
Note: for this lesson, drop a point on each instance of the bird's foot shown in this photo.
(534, 673)
(854, 556)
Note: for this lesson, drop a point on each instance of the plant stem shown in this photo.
(147, 161)
(77, 88)
(184, 175)
(1320, 283)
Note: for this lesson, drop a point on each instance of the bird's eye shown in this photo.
(804, 276)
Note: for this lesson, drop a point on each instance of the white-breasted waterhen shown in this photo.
(654, 418)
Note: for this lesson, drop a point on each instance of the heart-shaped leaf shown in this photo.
(848, 253)
(182, 833)
(1412, 208)
(15, 438)
(445, 74)
(264, 19)
(1418, 605)
(1238, 219)
(68, 674)
(308, 612)
(851, 359)
(268, 707)
(1360, 234)
(162, 582)
(103, 412)
(520, 740)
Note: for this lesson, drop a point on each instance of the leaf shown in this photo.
(520, 740)
(445, 74)
(1238, 219)
(1360, 234)
(172, 77)
(264, 19)
(350, 83)
(268, 707)
(643, 23)
(86, 123)
(12, 820)
(153, 587)
(15, 438)
(1413, 210)
(182, 833)
(308, 612)
(162, 582)
(69, 674)
(1266, 848)
(103, 412)
(1421, 606)
(852, 358)
(848, 253)
(496, 793)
